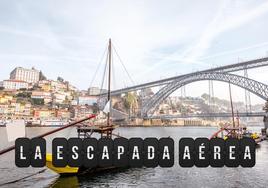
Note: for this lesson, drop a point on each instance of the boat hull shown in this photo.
(75, 171)
(60, 170)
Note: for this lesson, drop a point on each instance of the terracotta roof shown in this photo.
(16, 81)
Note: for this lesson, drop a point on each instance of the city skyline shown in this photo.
(154, 41)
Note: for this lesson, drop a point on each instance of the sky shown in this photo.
(154, 39)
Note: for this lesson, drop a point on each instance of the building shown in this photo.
(15, 109)
(55, 86)
(42, 95)
(59, 97)
(147, 92)
(63, 114)
(58, 86)
(89, 100)
(21, 109)
(74, 102)
(4, 99)
(44, 113)
(27, 75)
(72, 88)
(45, 85)
(79, 112)
(26, 109)
(14, 84)
(3, 109)
(94, 91)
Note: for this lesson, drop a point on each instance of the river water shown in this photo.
(11, 176)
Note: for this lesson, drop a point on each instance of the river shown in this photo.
(11, 176)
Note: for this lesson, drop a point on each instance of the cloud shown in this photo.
(221, 22)
(153, 38)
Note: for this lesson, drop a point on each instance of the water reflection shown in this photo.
(142, 177)
(71, 181)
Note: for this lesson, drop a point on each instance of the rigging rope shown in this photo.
(122, 63)
(104, 72)
(98, 67)
(113, 75)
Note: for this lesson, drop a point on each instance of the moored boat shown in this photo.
(235, 130)
(67, 170)
(87, 129)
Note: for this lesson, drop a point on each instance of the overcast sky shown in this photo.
(155, 39)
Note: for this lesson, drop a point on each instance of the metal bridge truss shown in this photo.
(226, 68)
(252, 86)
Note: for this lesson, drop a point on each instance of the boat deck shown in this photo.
(87, 131)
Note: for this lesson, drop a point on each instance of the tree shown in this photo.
(265, 108)
(130, 101)
(66, 100)
(42, 76)
(95, 108)
(60, 79)
(24, 95)
(36, 87)
(38, 101)
(23, 89)
(205, 96)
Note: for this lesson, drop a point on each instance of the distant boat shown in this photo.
(233, 130)
(53, 123)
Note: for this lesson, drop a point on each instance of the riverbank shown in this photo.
(167, 123)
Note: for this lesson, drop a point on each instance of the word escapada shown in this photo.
(90, 152)
(217, 152)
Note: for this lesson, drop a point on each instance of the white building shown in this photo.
(89, 100)
(42, 95)
(14, 84)
(27, 75)
(59, 97)
(94, 91)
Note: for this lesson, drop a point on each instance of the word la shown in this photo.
(30, 152)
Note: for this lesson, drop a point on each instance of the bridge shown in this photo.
(253, 86)
(205, 115)
(223, 73)
(224, 69)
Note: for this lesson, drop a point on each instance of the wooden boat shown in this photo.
(60, 170)
(235, 130)
(86, 130)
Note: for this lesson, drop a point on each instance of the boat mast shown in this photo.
(109, 80)
(232, 105)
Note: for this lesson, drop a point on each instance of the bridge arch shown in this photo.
(253, 86)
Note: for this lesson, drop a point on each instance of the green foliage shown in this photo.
(130, 101)
(22, 89)
(24, 95)
(42, 76)
(205, 96)
(38, 101)
(66, 100)
(265, 108)
(95, 108)
(60, 79)
(36, 88)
